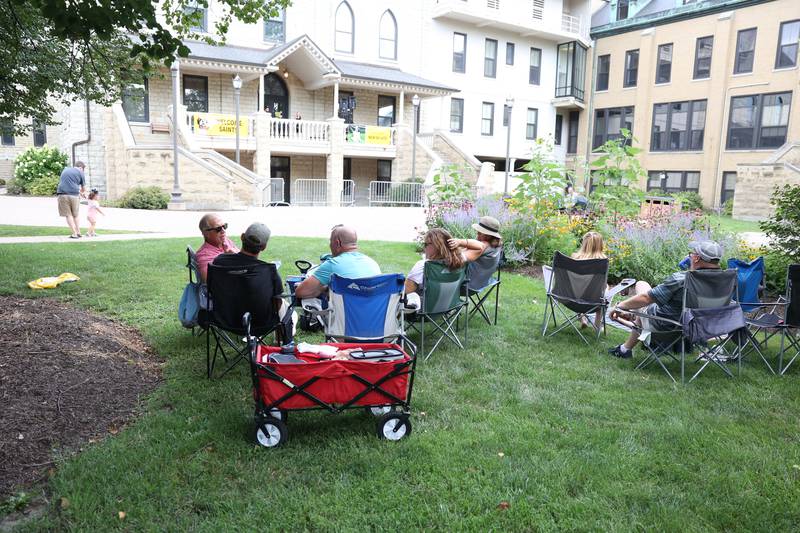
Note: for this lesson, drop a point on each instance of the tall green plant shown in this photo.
(783, 226)
(449, 185)
(540, 191)
(617, 174)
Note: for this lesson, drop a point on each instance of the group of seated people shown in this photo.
(481, 255)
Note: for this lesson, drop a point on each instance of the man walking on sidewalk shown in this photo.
(70, 189)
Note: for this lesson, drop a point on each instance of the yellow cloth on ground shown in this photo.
(52, 281)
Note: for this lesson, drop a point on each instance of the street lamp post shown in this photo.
(509, 105)
(415, 103)
(237, 87)
(176, 185)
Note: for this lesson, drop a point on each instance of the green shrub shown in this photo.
(144, 198)
(36, 163)
(2, 182)
(12, 187)
(44, 185)
(783, 226)
(727, 208)
(775, 265)
(689, 200)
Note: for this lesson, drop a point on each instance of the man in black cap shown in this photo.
(666, 299)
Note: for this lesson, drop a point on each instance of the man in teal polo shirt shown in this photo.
(346, 262)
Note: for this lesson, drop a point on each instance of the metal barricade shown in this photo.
(315, 192)
(396, 193)
(272, 192)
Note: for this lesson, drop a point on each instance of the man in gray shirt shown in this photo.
(70, 189)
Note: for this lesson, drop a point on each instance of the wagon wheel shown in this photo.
(393, 426)
(271, 432)
(379, 411)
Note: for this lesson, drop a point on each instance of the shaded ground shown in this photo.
(67, 378)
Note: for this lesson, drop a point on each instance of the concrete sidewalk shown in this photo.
(372, 223)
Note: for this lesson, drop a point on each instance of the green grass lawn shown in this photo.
(48, 231)
(571, 438)
(732, 225)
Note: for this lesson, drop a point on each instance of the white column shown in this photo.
(261, 92)
(401, 109)
(335, 100)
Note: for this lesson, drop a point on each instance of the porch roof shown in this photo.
(359, 73)
(228, 57)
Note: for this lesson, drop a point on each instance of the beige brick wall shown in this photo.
(450, 155)
(21, 143)
(754, 186)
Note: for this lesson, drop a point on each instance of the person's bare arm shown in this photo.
(309, 288)
(410, 286)
(634, 302)
(473, 248)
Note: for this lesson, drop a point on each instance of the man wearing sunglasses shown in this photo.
(216, 242)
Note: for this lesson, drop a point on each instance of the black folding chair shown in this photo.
(791, 322)
(479, 291)
(234, 291)
(708, 313)
(577, 287)
(194, 277)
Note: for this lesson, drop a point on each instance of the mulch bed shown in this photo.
(67, 378)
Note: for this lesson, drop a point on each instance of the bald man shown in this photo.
(347, 262)
(215, 242)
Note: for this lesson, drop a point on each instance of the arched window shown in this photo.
(344, 28)
(387, 44)
(276, 96)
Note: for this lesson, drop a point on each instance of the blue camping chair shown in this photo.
(365, 309)
(750, 278)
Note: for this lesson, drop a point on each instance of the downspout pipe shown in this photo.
(88, 133)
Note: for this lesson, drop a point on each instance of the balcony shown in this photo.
(570, 75)
(526, 17)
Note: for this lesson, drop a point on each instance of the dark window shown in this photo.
(678, 126)
(758, 121)
(275, 28)
(671, 181)
(7, 132)
(386, 107)
(622, 9)
(664, 64)
(487, 118)
(135, 102)
(531, 123)
(535, 72)
(490, 59)
(384, 170)
(459, 52)
(195, 93)
(603, 68)
(276, 97)
(745, 51)
(198, 14)
(456, 115)
(728, 187)
(702, 57)
(570, 70)
(39, 133)
(609, 123)
(509, 53)
(572, 132)
(558, 129)
(787, 44)
(631, 68)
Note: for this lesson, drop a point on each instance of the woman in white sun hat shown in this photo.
(483, 253)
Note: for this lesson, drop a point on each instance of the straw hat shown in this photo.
(488, 226)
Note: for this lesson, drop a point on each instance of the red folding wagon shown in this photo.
(379, 378)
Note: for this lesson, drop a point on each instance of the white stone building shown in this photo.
(327, 92)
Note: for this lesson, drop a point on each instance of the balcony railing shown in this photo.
(299, 131)
(570, 90)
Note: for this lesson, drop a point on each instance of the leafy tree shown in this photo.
(783, 227)
(449, 185)
(539, 193)
(617, 174)
(58, 51)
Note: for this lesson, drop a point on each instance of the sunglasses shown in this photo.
(218, 228)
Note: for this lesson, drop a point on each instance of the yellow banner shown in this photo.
(379, 135)
(217, 125)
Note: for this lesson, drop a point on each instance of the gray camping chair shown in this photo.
(576, 287)
(708, 313)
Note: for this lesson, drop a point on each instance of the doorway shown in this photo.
(280, 167)
(276, 96)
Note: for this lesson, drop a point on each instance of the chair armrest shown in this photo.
(618, 288)
(763, 304)
(634, 312)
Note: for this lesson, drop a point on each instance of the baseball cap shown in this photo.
(257, 234)
(708, 251)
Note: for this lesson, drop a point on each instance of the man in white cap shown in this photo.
(666, 299)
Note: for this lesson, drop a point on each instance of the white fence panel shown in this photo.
(315, 192)
(396, 193)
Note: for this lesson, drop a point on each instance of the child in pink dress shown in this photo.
(91, 215)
